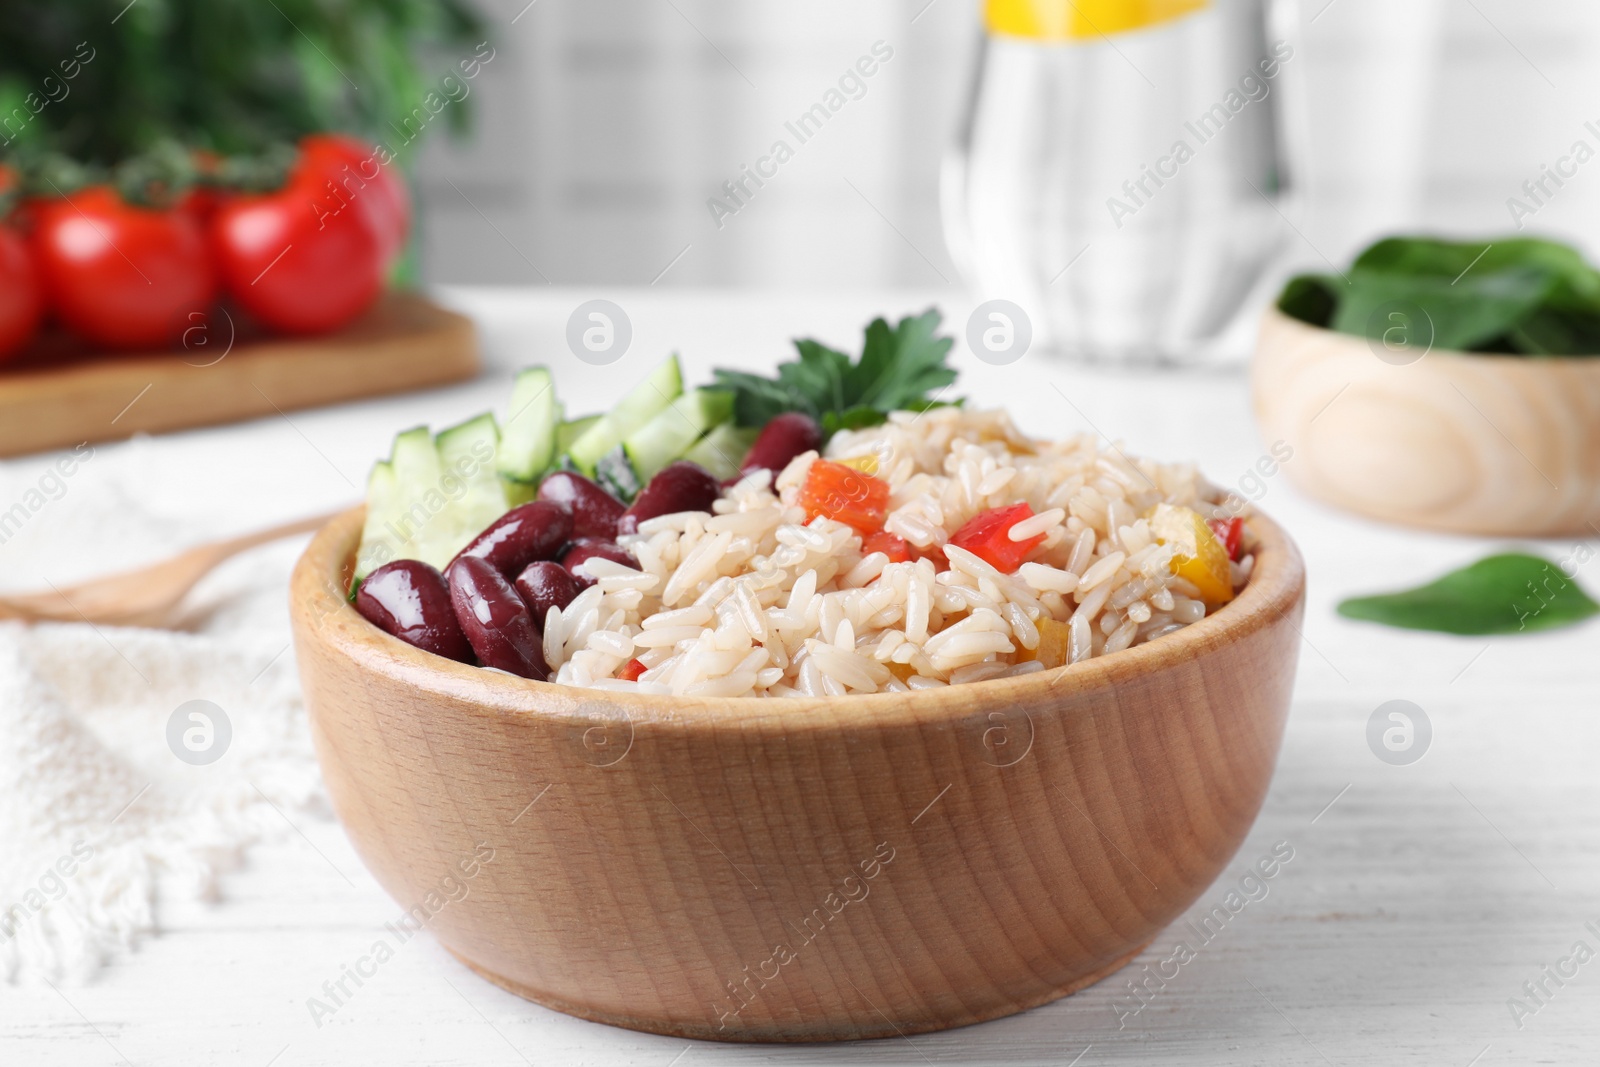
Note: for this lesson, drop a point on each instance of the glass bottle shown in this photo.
(1119, 169)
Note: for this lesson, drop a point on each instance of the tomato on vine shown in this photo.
(348, 174)
(21, 294)
(117, 274)
(293, 268)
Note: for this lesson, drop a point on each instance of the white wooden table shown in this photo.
(1419, 900)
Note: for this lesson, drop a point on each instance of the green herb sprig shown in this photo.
(901, 368)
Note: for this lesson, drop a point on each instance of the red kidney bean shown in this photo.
(494, 619)
(781, 439)
(680, 486)
(545, 585)
(594, 511)
(586, 548)
(409, 599)
(520, 536)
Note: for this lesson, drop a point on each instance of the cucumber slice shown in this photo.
(416, 464)
(417, 473)
(469, 492)
(518, 492)
(528, 446)
(521, 491)
(647, 400)
(722, 450)
(397, 512)
(671, 433)
(378, 544)
(431, 496)
(660, 388)
(615, 474)
(571, 430)
(591, 445)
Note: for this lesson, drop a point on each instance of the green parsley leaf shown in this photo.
(858, 418)
(901, 368)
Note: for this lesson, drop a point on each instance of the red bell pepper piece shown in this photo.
(845, 494)
(1231, 533)
(897, 548)
(987, 535)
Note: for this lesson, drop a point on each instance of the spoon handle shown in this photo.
(235, 545)
(144, 593)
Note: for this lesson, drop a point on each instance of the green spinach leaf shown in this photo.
(1507, 593)
(1519, 295)
(1456, 317)
(1311, 298)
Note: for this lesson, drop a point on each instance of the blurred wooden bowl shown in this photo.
(799, 870)
(1456, 441)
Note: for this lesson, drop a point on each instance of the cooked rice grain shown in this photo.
(754, 600)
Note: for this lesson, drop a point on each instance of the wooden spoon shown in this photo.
(146, 596)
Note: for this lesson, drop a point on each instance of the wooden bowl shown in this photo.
(1456, 441)
(797, 869)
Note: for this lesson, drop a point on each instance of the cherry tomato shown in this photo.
(21, 294)
(120, 275)
(348, 172)
(294, 268)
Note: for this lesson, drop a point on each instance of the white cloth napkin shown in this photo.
(99, 815)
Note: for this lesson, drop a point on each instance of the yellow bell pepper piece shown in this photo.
(1053, 644)
(1200, 557)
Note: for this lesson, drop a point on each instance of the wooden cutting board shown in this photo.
(57, 396)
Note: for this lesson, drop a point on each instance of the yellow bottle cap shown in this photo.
(1081, 20)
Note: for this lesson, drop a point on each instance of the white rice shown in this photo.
(756, 601)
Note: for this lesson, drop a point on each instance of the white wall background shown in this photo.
(604, 125)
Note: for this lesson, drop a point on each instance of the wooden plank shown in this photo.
(58, 399)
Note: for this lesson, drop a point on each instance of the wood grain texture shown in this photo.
(923, 862)
(59, 399)
(1467, 443)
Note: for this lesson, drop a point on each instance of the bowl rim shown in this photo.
(1275, 590)
(1576, 363)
